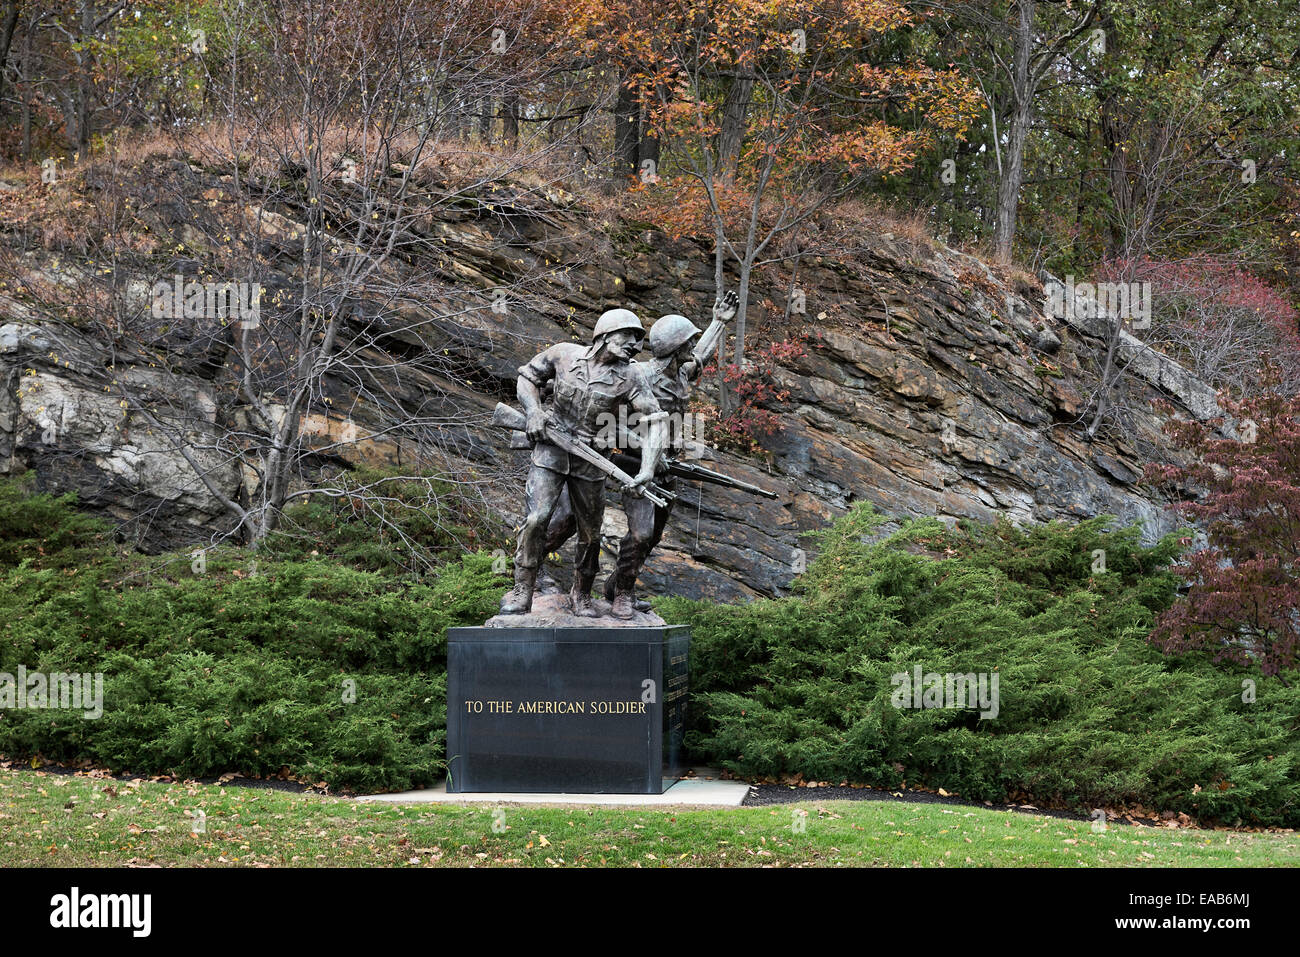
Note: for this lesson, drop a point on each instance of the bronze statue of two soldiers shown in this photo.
(592, 387)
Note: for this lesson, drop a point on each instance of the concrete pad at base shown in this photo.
(700, 791)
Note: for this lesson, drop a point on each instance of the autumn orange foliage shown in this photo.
(815, 118)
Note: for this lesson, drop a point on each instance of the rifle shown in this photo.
(508, 418)
(686, 470)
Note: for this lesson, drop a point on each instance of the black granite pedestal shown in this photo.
(565, 710)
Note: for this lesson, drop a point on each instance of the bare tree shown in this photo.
(339, 263)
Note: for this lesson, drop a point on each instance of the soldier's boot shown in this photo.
(580, 596)
(519, 600)
(611, 590)
(623, 605)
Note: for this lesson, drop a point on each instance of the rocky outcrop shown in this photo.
(56, 417)
(929, 385)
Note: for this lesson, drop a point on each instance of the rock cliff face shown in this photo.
(929, 385)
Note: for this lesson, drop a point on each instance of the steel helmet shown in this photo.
(615, 320)
(668, 335)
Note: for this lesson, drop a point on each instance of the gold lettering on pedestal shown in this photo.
(556, 707)
(551, 707)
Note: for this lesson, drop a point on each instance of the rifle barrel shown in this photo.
(702, 474)
(688, 470)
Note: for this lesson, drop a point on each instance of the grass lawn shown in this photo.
(60, 820)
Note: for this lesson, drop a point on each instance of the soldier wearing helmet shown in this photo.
(614, 320)
(679, 354)
(589, 382)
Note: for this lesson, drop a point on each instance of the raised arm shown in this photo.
(723, 311)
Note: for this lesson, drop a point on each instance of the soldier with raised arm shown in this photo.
(590, 384)
(679, 355)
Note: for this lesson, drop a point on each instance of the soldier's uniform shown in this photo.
(584, 391)
(645, 520)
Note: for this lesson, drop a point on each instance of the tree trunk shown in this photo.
(510, 120)
(1119, 180)
(627, 133)
(1080, 210)
(1004, 229)
(648, 149)
(27, 105)
(6, 40)
(724, 398)
(85, 88)
(649, 145)
(1022, 111)
(735, 110)
(746, 267)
